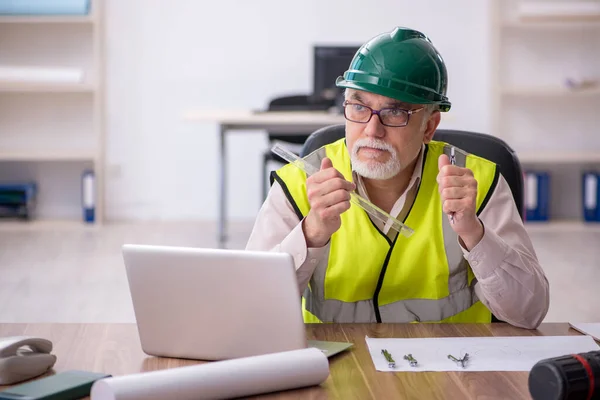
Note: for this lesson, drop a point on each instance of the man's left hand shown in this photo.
(458, 190)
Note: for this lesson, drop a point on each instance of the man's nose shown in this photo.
(374, 127)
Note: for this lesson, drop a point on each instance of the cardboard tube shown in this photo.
(221, 379)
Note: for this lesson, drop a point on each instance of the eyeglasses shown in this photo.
(393, 117)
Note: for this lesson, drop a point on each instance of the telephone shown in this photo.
(23, 358)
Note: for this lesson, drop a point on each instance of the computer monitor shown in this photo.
(329, 63)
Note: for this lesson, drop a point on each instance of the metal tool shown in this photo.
(356, 199)
(389, 359)
(453, 162)
(460, 361)
(411, 360)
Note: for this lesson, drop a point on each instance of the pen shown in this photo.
(453, 162)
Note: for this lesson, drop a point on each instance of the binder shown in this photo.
(18, 199)
(591, 196)
(537, 196)
(88, 196)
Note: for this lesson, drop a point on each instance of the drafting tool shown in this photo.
(388, 358)
(363, 203)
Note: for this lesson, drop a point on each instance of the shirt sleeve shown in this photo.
(278, 228)
(511, 282)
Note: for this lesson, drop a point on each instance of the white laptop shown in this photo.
(211, 304)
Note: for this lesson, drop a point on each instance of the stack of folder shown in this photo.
(17, 200)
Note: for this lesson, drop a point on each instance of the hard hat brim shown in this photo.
(400, 95)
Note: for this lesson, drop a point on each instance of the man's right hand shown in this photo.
(329, 196)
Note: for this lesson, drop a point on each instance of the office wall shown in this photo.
(167, 57)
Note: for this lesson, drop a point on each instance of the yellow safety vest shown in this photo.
(368, 277)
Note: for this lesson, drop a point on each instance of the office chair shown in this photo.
(486, 146)
(483, 145)
(288, 103)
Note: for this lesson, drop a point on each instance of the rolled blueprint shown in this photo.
(221, 379)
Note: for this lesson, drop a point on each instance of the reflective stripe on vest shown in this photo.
(371, 279)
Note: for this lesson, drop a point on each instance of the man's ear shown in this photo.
(431, 126)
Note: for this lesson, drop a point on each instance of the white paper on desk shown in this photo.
(515, 353)
(587, 328)
(221, 379)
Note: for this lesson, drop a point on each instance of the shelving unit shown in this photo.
(564, 226)
(551, 126)
(551, 25)
(52, 131)
(559, 157)
(58, 155)
(549, 92)
(11, 87)
(28, 19)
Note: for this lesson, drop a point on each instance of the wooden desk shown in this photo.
(115, 349)
(285, 122)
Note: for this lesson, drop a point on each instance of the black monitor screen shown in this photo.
(329, 63)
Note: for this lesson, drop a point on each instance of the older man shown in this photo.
(469, 256)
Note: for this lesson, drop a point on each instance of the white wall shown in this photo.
(167, 57)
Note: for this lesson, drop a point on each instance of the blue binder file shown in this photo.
(18, 199)
(591, 196)
(88, 196)
(537, 196)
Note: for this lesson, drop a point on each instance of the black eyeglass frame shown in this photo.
(378, 113)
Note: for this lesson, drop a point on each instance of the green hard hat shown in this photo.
(403, 65)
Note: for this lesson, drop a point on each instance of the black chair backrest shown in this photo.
(480, 144)
(493, 149)
(321, 137)
(294, 103)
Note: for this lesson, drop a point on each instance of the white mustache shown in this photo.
(374, 170)
(373, 143)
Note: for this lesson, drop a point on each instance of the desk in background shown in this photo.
(292, 122)
(115, 349)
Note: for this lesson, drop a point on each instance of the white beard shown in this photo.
(374, 169)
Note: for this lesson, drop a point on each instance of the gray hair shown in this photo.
(428, 109)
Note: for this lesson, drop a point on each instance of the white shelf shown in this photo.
(27, 87)
(561, 226)
(558, 157)
(549, 92)
(552, 25)
(531, 57)
(30, 35)
(9, 225)
(71, 155)
(50, 19)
